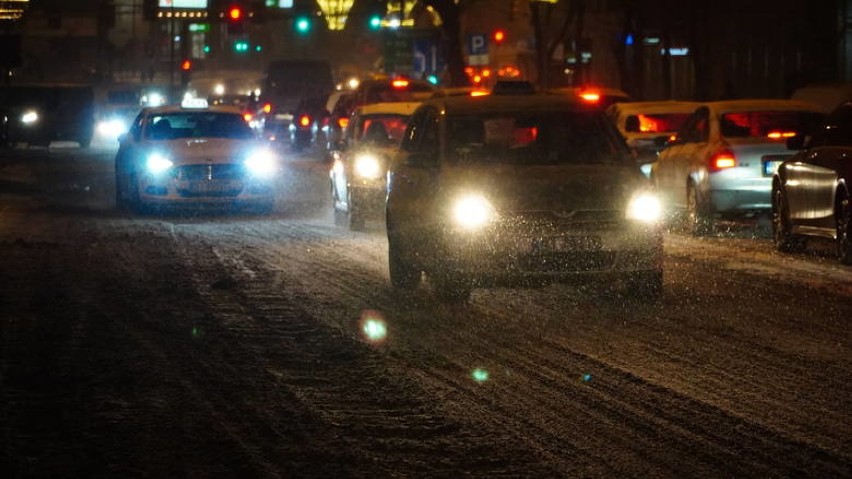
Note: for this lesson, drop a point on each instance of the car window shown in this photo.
(381, 128)
(767, 124)
(838, 127)
(532, 138)
(655, 122)
(171, 126)
(413, 132)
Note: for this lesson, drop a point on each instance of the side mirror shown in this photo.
(796, 142)
(422, 160)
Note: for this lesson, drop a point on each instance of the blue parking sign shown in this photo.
(477, 44)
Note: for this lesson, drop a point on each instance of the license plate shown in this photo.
(212, 187)
(559, 244)
(769, 167)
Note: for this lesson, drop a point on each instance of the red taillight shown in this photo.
(777, 135)
(247, 117)
(590, 96)
(267, 107)
(479, 93)
(722, 159)
(343, 122)
(305, 120)
(400, 83)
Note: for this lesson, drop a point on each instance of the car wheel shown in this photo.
(785, 241)
(120, 195)
(135, 202)
(402, 274)
(843, 220)
(698, 221)
(451, 287)
(646, 285)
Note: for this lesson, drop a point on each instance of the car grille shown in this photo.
(228, 171)
(593, 219)
(551, 262)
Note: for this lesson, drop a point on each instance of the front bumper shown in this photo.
(214, 184)
(510, 254)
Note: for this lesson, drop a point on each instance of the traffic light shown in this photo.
(241, 46)
(303, 24)
(185, 71)
(375, 22)
(498, 36)
(236, 17)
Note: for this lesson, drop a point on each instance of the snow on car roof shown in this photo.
(762, 105)
(651, 107)
(177, 109)
(393, 108)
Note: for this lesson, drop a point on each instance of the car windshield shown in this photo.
(171, 126)
(532, 138)
(655, 122)
(768, 124)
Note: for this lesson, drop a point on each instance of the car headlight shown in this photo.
(261, 163)
(112, 128)
(29, 117)
(368, 166)
(157, 163)
(473, 212)
(645, 207)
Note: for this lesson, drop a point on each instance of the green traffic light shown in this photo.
(241, 46)
(303, 25)
(375, 22)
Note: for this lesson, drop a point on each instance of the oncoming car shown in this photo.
(358, 174)
(518, 190)
(193, 154)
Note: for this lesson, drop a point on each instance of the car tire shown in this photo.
(843, 220)
(785, 241)
(698, 221)
(645, 285)
(402, 274)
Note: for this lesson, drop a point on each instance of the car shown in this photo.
(518, 190)
(812, 191)
(38, 114)
(192, 154)
(641, 122)
(358, 174)
(720, 164)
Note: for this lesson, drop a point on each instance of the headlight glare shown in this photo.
(29, 117)
(645, 207)
(368, 166)
(261, 163)
(158, 163)
(473, 212)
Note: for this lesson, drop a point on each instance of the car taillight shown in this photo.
(590, 96)
(343, 122)
(722, 159)
(267, 107)
(399, 84)
(305, 121)
(247, 117)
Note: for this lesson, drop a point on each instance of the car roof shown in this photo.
(762, 105)
(454, 105)
(394, 108)
(165, 109)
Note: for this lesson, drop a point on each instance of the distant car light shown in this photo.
(157, 163)
(367, 166)
(29, 117)
(472, 212)
(590, 96)
(219, 89)
(645, 207)
(261, 162)
(400, 83)
(111, 128)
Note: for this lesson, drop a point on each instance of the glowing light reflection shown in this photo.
(373, 326)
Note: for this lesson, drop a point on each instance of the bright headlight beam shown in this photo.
(157, 163)
(367, 166)
(645, 207)
(29, 117)
(472, 212)
(261, 163)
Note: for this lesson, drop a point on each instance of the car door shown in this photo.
(824, 162)
(413, 174)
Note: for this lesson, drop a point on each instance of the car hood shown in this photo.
(207, 150)
(548, 188)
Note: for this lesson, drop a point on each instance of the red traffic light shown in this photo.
(186, 65)
(235, 13)
(498, 36)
